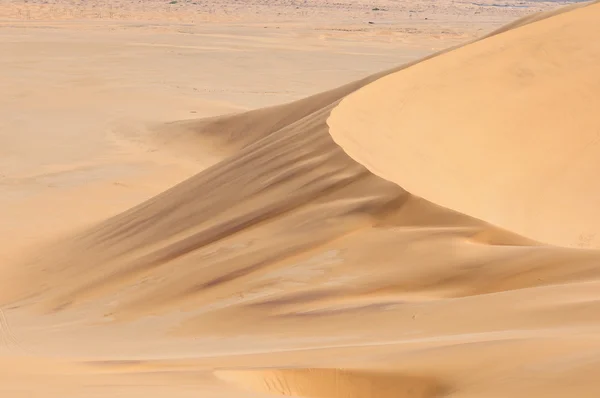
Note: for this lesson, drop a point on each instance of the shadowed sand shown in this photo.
(334, 383)
(287, 267)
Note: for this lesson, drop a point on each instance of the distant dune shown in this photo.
(385, 239)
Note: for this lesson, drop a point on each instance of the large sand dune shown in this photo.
(288, 267)
(504, 129)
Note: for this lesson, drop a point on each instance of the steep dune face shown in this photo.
(504, 129)
(289, 268)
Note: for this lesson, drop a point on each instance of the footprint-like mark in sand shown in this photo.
(334, 383)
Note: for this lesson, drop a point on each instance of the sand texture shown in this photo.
(175, 226)
(508, 110)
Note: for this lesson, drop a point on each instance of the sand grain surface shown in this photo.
(176, 225)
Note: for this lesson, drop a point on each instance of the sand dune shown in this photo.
(288, 267)
(504, 129)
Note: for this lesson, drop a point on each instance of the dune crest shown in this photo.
(225, 135)
(504, 129)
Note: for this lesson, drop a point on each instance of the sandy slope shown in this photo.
(289, 268)
(505, 129)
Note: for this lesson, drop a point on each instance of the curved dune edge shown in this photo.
(504, 129)
(334, 383)
(225, 135)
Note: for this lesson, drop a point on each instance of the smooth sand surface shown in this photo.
(504, 129)
(183, 216)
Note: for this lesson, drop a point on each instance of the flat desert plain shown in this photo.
(353, 199)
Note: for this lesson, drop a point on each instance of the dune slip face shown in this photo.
(369, 241)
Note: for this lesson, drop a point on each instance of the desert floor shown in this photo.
(227, 199)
